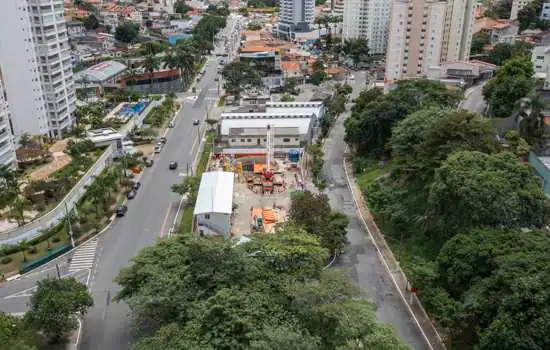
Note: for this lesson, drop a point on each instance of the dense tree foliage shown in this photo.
(238, 75)
(463, 213)
(127, 32)
(54, 306)
(357, 49)
(312, 212)
(529, 16)
(511, 83)
(473, 189)
(370, 126)
(181, 7)
(479, 40)
(423, 140)
(502, 52)
(499, 9)
(268, 293)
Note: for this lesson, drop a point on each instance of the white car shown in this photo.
(351, 77)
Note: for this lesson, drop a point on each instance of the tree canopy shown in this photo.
(268, 293)
(502, 52)
(357, 49)
(511, 83)
(473, 189)
(127, 32)
(370, 126)
(238, 75)
(54, 306)
(529, 16)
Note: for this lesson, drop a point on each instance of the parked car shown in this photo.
(217, 78)
(196, 122)
(173, 165)
(148, 162)
(121, 210)
(172, 124)
(163, 140)
(136, 186)
(131, 194)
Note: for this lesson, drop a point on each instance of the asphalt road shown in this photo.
(473, 100)
(149, 217)
(360, 256)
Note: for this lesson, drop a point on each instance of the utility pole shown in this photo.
(70, 226)
(58, 272)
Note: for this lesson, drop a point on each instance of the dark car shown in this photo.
(131, 194)
(136, 185)
(196, 122)
(148, 162)
(163, 140)
(173, 165)
(121, 210)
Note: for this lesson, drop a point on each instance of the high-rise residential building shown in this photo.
(295, 16)
(7, 147)
(516, 6)
(337, 7)
(368, 19)
(35, 59)
(424, 33)
(459, 26)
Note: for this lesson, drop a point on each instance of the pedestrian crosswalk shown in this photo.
(84, 256)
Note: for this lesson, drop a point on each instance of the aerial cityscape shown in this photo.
(274, 174)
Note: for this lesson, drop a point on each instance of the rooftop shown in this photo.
(102, 71)
(289, 66)
(215, 193)
(303, 124)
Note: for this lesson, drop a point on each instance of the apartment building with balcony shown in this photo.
(7, 147)
(425, 33)
(54, 62)
(36, 62)
(368, 19)
(295, 16)
(21, 74)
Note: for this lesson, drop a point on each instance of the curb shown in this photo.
(388, 270)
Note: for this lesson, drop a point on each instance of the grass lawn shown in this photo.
(17, 258)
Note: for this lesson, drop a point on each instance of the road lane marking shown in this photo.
(84, 256)
(165, 219)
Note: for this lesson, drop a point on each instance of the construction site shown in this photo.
(265, 181)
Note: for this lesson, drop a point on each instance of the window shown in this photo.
(286, 139)
(248, 140)
(242, 140)
(207, 216)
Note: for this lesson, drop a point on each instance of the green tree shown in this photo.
(479, 40)
(510, 84)
(15, 335)
(424, 140)
(499, 9)
(370, 126)
(18, 207)
(91, 22)
(319, 74)
(529, 16)
(188, 187)
(502, 52)
(127, 32)
(151, 64)
(227, 296)
(357, 49)
(9, 186)
(181, 7)
(473, 189)
(54, 306)
(530, 118)
(239, 75)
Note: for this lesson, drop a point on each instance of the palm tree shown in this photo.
(151, 64)
(24, 246)
(530, 120)
(18, 208)
(9, 186)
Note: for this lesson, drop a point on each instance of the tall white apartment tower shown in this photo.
(295, 16)
(19, 64)
(54, 61)
(459, 25)
(7, 147)
(415, 37)
(368, 19)
(35, 60)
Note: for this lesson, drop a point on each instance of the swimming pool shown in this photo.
(133, 109)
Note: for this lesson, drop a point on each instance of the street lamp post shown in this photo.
(70, 225)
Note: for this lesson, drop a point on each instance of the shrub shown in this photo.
(56, 239)
(33, 250)
(6, 260)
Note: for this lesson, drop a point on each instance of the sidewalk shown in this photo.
(421, 317)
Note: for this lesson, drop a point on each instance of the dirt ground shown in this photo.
(60, 160)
